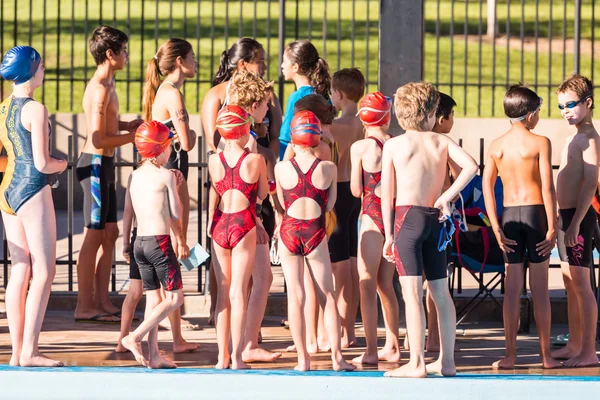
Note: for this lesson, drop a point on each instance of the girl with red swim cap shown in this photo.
(238, 179)
(152, 190)
(376, 274)
(307, 187)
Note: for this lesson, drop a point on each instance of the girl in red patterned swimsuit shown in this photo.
(239, 178)
(307, 186)
(376, 273)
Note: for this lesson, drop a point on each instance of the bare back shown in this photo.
(368, 157)
(94, 109)
(420, 160)
(150, 199)
(517, 157)
(346, 130)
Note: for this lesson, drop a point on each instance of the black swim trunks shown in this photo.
(526, 225)
(416, 237)
(343, 242)
(134, 269)
(581, 254)
(179, 161)
(157, 262)
(268, 217)
(96, 174)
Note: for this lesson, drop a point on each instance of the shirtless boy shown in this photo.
(414, 167)
(576, 184)
(95, 172)
(529, 218)
(152, 197)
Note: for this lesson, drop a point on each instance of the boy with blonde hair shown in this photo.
(414, 167)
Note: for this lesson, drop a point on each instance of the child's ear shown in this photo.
(440, 120)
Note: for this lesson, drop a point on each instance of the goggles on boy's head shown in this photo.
(573, 104)
(523, 117)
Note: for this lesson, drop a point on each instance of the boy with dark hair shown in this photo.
(576, 184)
(529, 218)
(95, 172)
(347, 88)
(414, 167)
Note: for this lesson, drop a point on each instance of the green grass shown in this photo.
(62, 38)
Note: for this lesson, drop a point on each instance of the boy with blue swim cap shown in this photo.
(26, 205)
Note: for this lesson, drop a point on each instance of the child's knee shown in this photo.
(175, 298)
(111, 233)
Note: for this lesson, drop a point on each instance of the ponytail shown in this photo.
(245, 49)
(150, 88)
(225, 71)
(320, 78)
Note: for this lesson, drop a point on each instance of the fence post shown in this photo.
(577, 38)
(401, 42)
(281, 49)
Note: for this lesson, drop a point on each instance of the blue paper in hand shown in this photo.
(197, 256)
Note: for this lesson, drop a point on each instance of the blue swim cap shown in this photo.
(20, 64)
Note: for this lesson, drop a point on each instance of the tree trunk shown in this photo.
(491, 19)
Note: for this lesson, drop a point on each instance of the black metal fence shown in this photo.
(475, 49)
(344, 31)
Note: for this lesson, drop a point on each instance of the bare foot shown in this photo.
(161, 363)
(390, 354)
(565, 353)
(291, 349)
(120, 348)
(184, 347)
(223, 363)
(303, 366)
(410, 370)
(551, 363)
(323, 345)
(38, 360)
(310, 349)
(14, 360)
(239, 365)
(507, 362)
(188, 326)
(109, 308)
(135, 348)
(347, 343)
(371, 359)
(580, 361)
(343, 365)
(447, 368)
(259, 355)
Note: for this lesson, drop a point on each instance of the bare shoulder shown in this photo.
(216, 93)
(327, 166)
(35, 107)
(542, 140)
(255, 159)
(394, 143)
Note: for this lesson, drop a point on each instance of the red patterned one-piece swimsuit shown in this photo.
(371, 204)
(229, 228)
(302, 236)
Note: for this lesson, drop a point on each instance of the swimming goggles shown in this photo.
(523, 117)
(446, 233)
(573, 104)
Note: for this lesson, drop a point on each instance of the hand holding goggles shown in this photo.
(446, 233)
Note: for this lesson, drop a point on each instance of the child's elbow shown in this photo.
(41, 165)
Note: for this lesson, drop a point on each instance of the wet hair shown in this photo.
(579, 84)
(519, 100)
(445, 107)
(106, 38)
(414, 103)
(304, 53)
(316, 104)
(245, 49)
(247, 88)
(351, 82)
(163, 63)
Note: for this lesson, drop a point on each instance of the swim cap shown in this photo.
(306, 129)
(152, 138)
(233, 122)
(20, 64)
(374, 109)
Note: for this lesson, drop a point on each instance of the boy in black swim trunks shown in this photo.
(414, 167)
(95, 172)
(529, 219)
(576, 184)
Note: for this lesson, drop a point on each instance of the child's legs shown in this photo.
(433, 334)
(574, 316)
(513, 284)
(184, 196)
(446, 318)
(242, 263)
(86, 271)
(16, 290)
(370, 245)
(213, 289)
(320, 269)
(311, 311)
(293, 271)
(538, 282)
(222, 268)
(262, 277)
(412, 293)
(588, 308)
(39, 223)
(159, 312)
(104, 268)
(134, 295)
(389, 303)
(153, 299)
